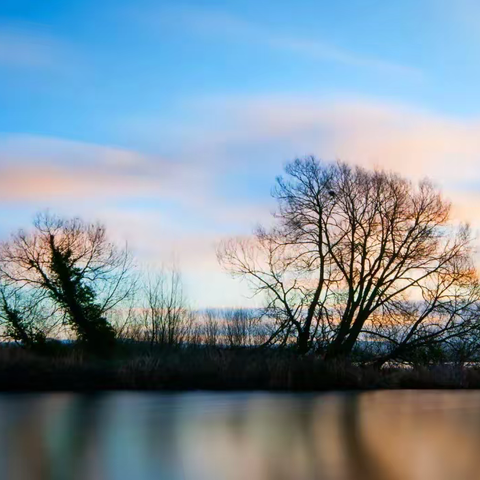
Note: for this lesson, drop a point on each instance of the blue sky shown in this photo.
(170, 120)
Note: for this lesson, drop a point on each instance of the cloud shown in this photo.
(165, 206)
(325, 51)
(28, 47)
(216, 23)
(41, 169)
(259, 131)
(256, 133)
(414, 141)
(252, 136)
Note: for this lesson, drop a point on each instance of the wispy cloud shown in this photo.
(412, 141)
(258, 133)
(43, 169)
(48, 171)
(363, 129)
(220, 24)
(163, 208)
(28, 46)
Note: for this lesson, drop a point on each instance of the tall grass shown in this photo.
(138, 367)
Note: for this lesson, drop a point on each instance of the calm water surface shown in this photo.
(255, 436)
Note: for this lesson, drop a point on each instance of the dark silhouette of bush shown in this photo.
(138, 367)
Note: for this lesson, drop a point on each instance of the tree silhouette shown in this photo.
(349, 243)
(20, 319)
(77, 268)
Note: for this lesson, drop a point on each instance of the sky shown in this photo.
(169, 120)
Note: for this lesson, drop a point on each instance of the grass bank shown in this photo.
(139, 368)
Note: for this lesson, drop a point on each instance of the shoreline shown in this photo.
(215, 370)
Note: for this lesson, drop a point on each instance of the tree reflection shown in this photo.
(255, 436)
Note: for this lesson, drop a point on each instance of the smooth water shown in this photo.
(228, 436)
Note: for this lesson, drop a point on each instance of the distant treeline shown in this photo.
(360, 265)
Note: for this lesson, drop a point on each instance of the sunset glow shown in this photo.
(169, 121)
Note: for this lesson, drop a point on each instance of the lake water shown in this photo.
(235, 436)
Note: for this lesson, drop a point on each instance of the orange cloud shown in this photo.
(245, 133)
(408, 140)
(41, 169)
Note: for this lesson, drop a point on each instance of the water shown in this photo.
(256, 436)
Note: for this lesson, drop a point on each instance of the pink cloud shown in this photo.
(412, 141)
(78, 178)
(50, 182)
(38, 169)
(405, 139)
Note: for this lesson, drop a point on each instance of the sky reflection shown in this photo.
(255, 436)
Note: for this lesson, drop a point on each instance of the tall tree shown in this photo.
(348, 242)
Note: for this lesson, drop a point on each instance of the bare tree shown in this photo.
(166, 317)
(241, 327)
(77, 268)
(212, 328)
(124, 321)
(446, 313)
(348, 243)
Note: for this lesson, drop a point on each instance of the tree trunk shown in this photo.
(303, 342)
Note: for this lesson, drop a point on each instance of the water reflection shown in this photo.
(255, 436)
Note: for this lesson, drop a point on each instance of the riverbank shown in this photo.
(213, 369)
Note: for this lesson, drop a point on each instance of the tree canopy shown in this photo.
(350, 245)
